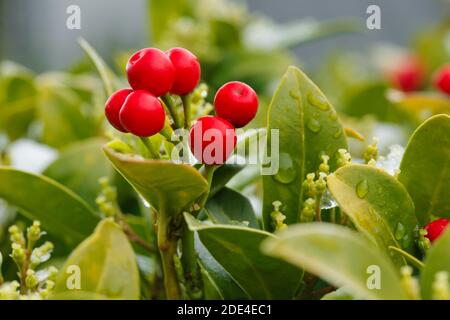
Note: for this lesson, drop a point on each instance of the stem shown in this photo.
(148, 144)
(168, 248)
(167, 131)
(208, 174)
(317, 207)
(133, 237)
(187, 110)
(189, 259)
(173, 112)
(416, 262)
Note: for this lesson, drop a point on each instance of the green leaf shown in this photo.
(237, 249)
(62, 212)
(425, 168)
(378, 205)
(436, 260)
(80, 166)
(60, 111)
(107, 265)
(106, 74)
(222, 175)
(229, 206)
(308, 127)
(18, 96)
(218, 283)
(165, 185)
(340, 256)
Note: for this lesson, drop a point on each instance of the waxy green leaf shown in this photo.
(340, 256)
(105, 263)
(167, 186)
(80, 166)
(425, 168)
(229, 206)
(308, 128)
(61, 211)
(378, 205)
(237, 249)
(436, 260)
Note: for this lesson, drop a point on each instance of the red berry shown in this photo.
(436, 228)
(113, 106)
(212, 140)
(408, 75)
(142, 114)
(442, 79)
(150, 69)
(236, 102)
(187, 70)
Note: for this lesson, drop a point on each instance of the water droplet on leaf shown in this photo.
(399, 231)
(362, 188)
(286, 172)
(313, 125)
(333, 116)
(294, 94)
(318, 101)
(337, 133)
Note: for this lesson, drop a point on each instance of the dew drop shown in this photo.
(337, 133)
(399, 231)
(333, 116)
(313, 125)
(294, 94)
(286, 172)
(362, 188)
(318, 101)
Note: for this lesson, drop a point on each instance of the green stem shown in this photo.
(187, 110)
(149, 146)
(208, 174)
(416, 262)
(167, 99)
(168, 249)
(167, 131)
(317, 207)
(189, 260)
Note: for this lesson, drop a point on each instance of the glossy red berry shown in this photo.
(408, 75)
(236, 102)
(150, 69)
(142, 114)
(436, 228)
(442, 79)
(113, 106)
(187, 70)
(212, 140)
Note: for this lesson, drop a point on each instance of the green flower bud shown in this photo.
(321, 184)
(371, 151)
(277, 217)
(34, 233)
(16, 235)
(31, 281)
(308, 210)
(309, 187)
(423, 242)
(18, 253)
(343, 158)
(324, 167)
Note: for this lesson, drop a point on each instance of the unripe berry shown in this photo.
(408, 75)
(150, 69)
(142, 114)
(212, 140)
(442, 79)
(436, 228)
(187, 70)
(236, 102)
(113, 106)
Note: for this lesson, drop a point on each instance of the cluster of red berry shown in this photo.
(410, 74)
(152, 74)
(236, 105)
